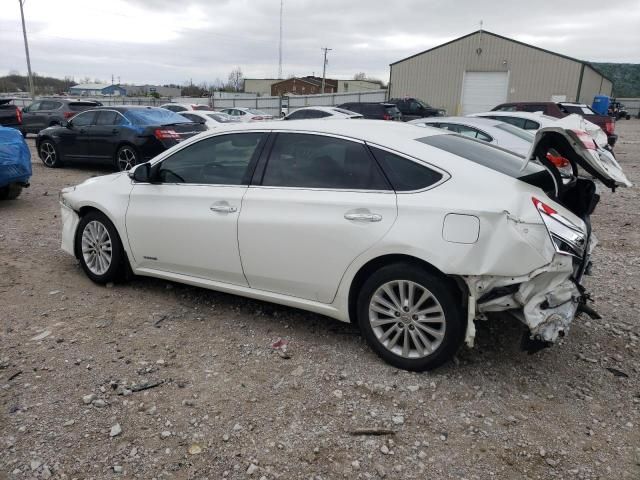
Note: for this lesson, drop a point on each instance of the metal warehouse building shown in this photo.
(480, 70)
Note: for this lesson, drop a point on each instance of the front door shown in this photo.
(321, 203)
(186, 222)
(75, 140)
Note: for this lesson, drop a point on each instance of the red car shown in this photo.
(562, 109)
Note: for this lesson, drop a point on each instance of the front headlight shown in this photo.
(567, 237)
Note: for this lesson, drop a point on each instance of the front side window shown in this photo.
(219, 160)
(84, 119)
(405, 175)
(34, 107)
(315, 161)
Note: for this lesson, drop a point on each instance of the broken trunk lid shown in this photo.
(594, 160)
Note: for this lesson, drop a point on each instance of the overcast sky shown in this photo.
(174, 41)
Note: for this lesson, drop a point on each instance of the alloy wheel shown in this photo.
(407, 319)
(48, 154)
(126, 158)
(96, 247)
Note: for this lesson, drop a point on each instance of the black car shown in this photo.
(10, 114)
(414, 108)
(120, 136)
(374, 110)
(48, 112)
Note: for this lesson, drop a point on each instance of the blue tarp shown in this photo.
(15, 157)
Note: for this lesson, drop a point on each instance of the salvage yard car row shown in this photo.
(411, 232)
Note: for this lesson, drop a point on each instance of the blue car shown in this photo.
(15, 163)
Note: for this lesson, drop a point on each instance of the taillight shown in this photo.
(166, 134)
(68, 114)
(587, 141)
(609, 126)
(543, 207)
(386, 116)
(19, 115)
(558, 160)
(257, 118)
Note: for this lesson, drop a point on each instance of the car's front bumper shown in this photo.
(70, 221)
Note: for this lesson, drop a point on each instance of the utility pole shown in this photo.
(280, 44)
(26, 49)
(324, 66)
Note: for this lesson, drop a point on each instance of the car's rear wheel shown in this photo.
(126, 158)
(10, 192)
(99, 247)
(410, 317)
(49, 154)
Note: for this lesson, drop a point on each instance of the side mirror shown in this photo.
(141, 173)
(65, 124)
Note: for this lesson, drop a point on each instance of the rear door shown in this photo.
(31, 119)
(105, 135)
(49, 113)
(319, 202)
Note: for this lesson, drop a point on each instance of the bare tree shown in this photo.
(236, 80)
(360, 76)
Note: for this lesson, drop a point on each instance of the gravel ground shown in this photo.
(152, 379)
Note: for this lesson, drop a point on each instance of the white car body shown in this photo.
(324, 113)
(242, 114)
(211, 118)
(488, 130)
(535, 121)
(305, 247)
(184, 107)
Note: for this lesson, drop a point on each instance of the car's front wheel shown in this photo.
(126, 158)
(99, 247)
(49, 154)
(410, 317)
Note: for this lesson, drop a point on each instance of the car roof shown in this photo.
(125, 108)
(526, 115)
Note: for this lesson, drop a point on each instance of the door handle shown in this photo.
(223, 208)
(363, 217)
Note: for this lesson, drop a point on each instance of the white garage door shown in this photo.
(481, 91)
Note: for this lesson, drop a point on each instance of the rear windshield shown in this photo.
(154, 116)
(579, 109)
(201, 107)
(483, 154)
(80, 106)
(518, 132)
(220, 117)
(343, 111)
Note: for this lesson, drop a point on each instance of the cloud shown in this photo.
(162, 41)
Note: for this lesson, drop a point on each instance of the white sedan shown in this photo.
(210, 118)
(184, 107)
(327, 113)
(410, 232)
(242, 114)
(492, 131)
(535, 121)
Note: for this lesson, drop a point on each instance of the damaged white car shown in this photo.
(412, 233)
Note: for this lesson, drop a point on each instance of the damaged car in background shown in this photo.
(411, 233)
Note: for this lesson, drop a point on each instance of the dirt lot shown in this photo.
(75, 357)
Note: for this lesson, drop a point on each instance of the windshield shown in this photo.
(145, 117)
(518, 132)
(483, 154)
(424, 104)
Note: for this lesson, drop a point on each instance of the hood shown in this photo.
(582, 151)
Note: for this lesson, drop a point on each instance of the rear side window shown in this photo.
(297, 115)
(515, 121)
(483, 154)
(315, 161)
(317, 114)
(405, 175)
(110, 117)
(531, 125)
(49, 105)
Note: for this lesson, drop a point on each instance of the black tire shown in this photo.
(127, 157)
(10, 192)
(117, 267)
(49, 154)
(444, 295)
